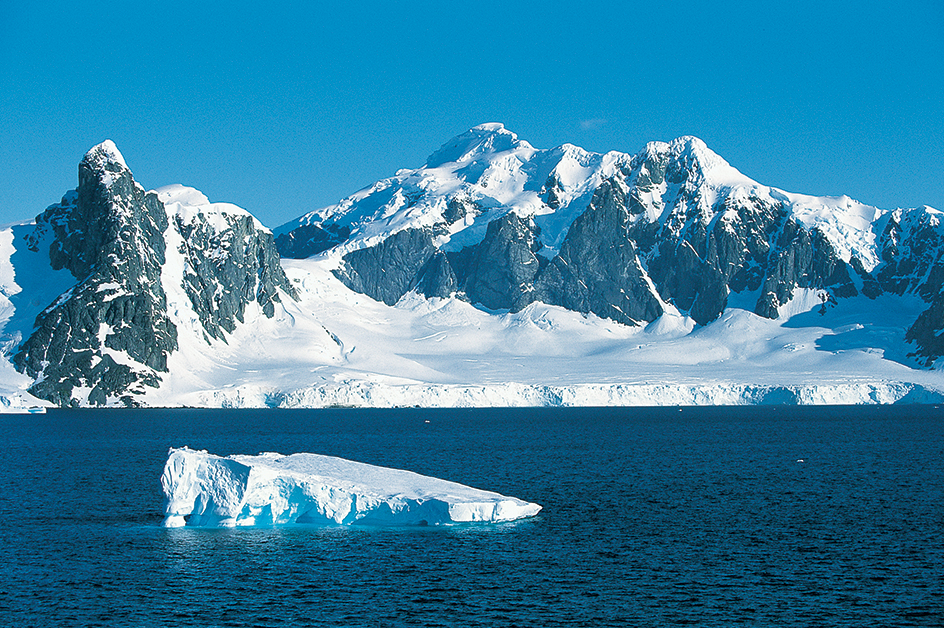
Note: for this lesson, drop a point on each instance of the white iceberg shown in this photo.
(201, 489)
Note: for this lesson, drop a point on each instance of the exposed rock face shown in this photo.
(229, 268)
(308, 240)
(110, 335)
(436, 278)
(598, 269)
(704, 242)
(803, 259)
(504, 271)
(389, 270)
(106, 339)
(912, 245)
(653, 232)
(499, 273)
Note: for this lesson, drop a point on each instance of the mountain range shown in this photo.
(495, 274)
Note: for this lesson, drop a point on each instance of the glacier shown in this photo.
(449, 353)
(202, 489)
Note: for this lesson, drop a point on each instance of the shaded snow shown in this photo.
(27, 286)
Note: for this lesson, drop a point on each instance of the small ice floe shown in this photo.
(201, 489)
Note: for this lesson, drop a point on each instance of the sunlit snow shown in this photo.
(335, 347)
(201, 489)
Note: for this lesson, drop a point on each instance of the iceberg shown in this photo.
(201, 489)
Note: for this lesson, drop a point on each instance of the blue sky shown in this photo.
(284, 107)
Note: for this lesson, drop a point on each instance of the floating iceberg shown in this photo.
(201, 489)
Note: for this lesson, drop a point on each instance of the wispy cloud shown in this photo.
(593, 124)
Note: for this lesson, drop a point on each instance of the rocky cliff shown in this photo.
(109, 336)
(227, 260)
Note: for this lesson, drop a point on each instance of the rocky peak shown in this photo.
(105, 157)
(113, 220)
(688, 160)
(109, 336)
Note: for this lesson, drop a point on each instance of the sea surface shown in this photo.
(755, 516)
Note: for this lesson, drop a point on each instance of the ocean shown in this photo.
(719, 516)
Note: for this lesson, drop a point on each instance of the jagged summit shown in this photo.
(103, 155)
(488, 171)
(103, 164)
(145, 272)
(487, 142)
(689, 157)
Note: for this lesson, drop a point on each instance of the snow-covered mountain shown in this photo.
(496, 274)
(137, 273)
(674, 228)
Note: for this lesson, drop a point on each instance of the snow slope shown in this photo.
(334, 347)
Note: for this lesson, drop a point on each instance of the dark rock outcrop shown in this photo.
(436, 278)
(389, 270)
(801, 259)
(110, 335)
(108, 338)
(501, 269)
(912, 249)
(226, 270)
(307, 240)
(598, 268)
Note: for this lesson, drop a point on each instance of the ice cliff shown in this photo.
(201, 489)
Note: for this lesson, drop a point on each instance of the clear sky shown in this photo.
(283, 107)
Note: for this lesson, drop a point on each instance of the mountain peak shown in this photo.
(491, 137)
(101, 156)
(692, 156)
(691, 148)
(491, 127)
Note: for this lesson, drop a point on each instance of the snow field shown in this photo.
(335, 348)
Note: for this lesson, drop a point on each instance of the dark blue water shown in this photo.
(652, 517)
